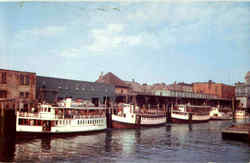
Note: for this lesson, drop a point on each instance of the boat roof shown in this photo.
(196, 106)
(78, 108)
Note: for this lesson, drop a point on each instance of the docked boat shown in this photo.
(215, 114)
(130, 116)
(190, 114)
(65, 117)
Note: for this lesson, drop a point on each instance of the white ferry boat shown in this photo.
(66, 117)
(190, 114)
(130, 116)
(215, 114)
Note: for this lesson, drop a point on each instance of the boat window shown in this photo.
(48, 109)
(32, 122)
(20, 121)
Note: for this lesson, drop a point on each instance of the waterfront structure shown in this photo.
(242, 93)
(240, 132)
(181, 94)
(51, 89)
(190, 114)
(219, 90)
(65, 117)
(131, 116)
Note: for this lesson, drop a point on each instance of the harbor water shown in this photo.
(170, 143)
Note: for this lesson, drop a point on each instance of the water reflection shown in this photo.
(7, 149)
(7, 139)
(173, 142)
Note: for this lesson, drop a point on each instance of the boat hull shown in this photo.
(220, 118)
(186, 118)
(24, 134)
(123, 125)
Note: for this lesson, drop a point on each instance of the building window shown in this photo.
(3, 94)
(4, 78)
(27, 94)
(24, 79)
(21, 94)
(27, 81)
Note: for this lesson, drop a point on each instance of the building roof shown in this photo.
(73, 88)
(110, 78)
(17, 71)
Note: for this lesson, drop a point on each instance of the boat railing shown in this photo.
(60, 116)
(180, 113)
(151, 112)
(200, 113)
(27, 114)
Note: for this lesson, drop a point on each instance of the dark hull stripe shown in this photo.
(175, 120)
(120, 125)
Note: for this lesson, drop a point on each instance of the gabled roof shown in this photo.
(110, 78)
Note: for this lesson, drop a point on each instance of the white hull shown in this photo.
(139, 120)
(122, 119)
(185, 117)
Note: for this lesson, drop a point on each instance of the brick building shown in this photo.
(219, 90)
(17, 85)
(17, 90)
(121, 87)
(184, 87)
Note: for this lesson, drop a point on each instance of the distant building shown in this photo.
(183, 87)
(52, 89)
(134, 86)
(121, 87)
(17, 85)
(242, 92)
(219, 90)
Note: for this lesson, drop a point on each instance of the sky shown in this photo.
(150, 42)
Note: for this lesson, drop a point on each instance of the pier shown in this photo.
(239, 132)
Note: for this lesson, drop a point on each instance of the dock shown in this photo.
(240, 132)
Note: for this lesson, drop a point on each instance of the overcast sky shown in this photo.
(150, 42)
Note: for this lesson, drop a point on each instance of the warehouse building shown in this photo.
(51, 89)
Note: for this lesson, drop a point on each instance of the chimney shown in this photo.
(101, 76)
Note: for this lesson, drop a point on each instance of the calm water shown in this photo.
(170, 143)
